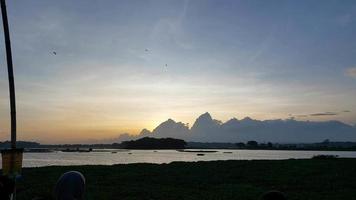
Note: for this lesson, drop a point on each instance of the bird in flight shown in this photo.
(54, 53)
(146, 50)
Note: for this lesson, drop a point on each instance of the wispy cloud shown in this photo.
(320, 114)
(351, 72)
(324, 114)
(301, 115)
(345, 19)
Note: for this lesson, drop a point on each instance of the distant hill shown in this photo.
(207, 129)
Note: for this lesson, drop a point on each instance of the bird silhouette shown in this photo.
(54, 53)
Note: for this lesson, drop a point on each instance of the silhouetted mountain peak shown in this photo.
(145, 132)
(205, 122)
(170, 121)
(167, 123)
(205, 117)
(231, 122)
(234, 120)
(170, 128)
(247, 119)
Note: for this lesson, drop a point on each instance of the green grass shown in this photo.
(299, 179)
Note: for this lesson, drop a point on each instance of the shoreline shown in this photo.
(187, 150)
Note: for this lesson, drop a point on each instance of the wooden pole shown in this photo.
(10, 73)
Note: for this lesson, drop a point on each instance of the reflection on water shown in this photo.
(165, 156)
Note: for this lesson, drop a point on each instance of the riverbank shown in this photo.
(299, 179)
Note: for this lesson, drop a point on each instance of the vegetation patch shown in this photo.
(326, 179)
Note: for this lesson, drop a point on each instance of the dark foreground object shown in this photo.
(70, 186)
(227, 180)
(273, 195)
(6, 187)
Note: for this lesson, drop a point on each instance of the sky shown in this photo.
(124, 65)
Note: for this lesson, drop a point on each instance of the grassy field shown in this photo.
(299, 179)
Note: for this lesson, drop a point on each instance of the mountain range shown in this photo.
(207, 129)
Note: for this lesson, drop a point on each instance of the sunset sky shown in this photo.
(121, 66)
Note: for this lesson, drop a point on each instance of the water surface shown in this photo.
(165, 156)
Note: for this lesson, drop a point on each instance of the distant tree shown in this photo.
(154, 143)
(116, 145)
(240, 145)
(262, 146)
(269, 145)
(327, 141)
(252, 144)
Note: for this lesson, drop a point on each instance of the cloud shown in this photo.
(345, 19)
(301, 116)
(351, 72)
(321, 114)
(324, 114)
